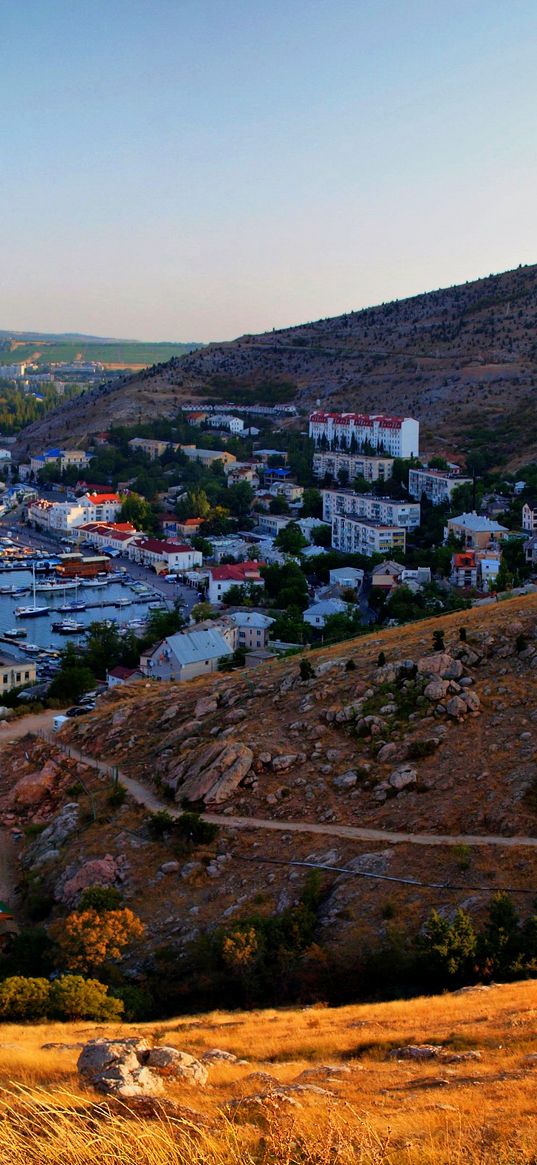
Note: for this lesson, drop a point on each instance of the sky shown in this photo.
(198, 169)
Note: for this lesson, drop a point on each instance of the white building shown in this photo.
(437, 484)
(65, 516)
(226, 421)
(253, 628)
(354, 535)
(347, 578)
(351, 465)
(318, 613)
(163, 555)
(529, 517)
(12, 371)
(395, 436)
(239, 574)
(394, 513)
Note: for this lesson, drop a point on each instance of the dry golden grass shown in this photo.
(382, 1112)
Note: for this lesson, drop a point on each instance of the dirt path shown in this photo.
(14, 729)
(144, 796)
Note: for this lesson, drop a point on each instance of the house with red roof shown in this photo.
(114, 536)
(221, 578)
(163, 555)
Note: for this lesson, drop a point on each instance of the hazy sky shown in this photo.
(194, 169)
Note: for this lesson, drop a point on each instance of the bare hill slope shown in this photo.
(427, 750)
(454, 358)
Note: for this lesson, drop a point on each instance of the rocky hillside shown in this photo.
(421, 764)
(457, 358)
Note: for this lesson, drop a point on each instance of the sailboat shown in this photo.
(31, 612)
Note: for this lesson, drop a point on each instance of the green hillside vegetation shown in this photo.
(57, 352)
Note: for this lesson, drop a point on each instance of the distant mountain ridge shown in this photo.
(462, 359)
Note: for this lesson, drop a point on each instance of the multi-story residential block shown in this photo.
(253, 628)
(394, 513)
(350, 465)
(65, 516)
(65, 458)
(529, 517)
(476, 531)
(12, 371)
(226, 421)
(153, 448)
(437, 484)
(353, 432)
(355, 535)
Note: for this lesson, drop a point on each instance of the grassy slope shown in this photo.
(381, 1112)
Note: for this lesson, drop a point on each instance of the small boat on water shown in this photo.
(75, 605)
(31, 612)
(97, 582)
(30, 648)
(122, 602)
(15, 633)
(15, 591)
(69, 627)
(55, 588)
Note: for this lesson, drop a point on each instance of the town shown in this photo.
(262, 549)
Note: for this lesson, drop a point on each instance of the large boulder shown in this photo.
(130, 1068)
(212, 772)
(32, 789)
(440, 664)
(169, 1062)
(105, 871)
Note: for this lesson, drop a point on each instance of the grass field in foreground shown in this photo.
(380, 1112)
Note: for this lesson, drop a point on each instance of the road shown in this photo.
(147, 798)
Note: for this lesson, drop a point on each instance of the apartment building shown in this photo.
(333, 463)
(394, 513)
(354, 535)
(477, 532)
(437, 484)
(226, 421)
(65, 459)
(207, 456)
(394, 436)
(153, 448)
(222, 578)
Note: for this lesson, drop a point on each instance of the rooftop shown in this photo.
(477, 523)
(197, 646)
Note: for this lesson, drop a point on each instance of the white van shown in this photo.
(58, 721)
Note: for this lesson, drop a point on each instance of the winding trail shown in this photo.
(146, 797)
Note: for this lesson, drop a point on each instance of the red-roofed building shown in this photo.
(108, 535)
(464, 569)
(122, 675)
(163, 555)
(185, 528)
(221, 578)
(393, 436)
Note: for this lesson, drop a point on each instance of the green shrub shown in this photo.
(118, 796)
(73, 997)
(194, 829)
(22, 998)
(159, 824)
(306, 670)
(100, 898)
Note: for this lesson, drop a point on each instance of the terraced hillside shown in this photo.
(463, 360)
